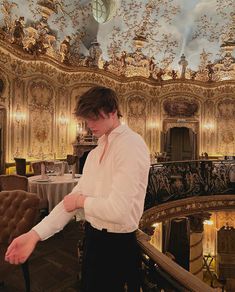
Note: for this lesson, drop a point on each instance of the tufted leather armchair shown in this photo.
(13, 182)
(18, 212)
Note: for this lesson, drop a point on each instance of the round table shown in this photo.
(53, 189)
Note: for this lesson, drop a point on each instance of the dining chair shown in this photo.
(71, 159)
(18, 182)
(20, 165)
(18, 212)
(11, 182)
(36, 166)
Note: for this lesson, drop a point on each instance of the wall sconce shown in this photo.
(208, 126)
(123, 121)
(154, 125)
(155, 225)
(19, 115)
(208, 222)
(62, 119)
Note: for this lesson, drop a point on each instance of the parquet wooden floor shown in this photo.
(53, 265)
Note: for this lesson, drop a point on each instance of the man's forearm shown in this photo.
(54, 222)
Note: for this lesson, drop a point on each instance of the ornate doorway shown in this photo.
(180, 144)
(180, 140)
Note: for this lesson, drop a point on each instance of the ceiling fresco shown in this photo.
(158, 39)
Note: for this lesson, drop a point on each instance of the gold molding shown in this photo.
(186, 207)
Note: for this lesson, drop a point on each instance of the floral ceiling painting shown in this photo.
(165, 39)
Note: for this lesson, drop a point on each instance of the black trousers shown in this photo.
(110, 261)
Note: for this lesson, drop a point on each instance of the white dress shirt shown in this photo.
(115, 187)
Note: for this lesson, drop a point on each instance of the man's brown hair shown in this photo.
(95, 100)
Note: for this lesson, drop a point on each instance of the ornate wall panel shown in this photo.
(41, 107)
(208, 125)
(18, 126)
(136, 114)
(63, 121)
(225, 126)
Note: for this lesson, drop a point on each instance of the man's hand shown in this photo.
(73, 202)
(22, 247)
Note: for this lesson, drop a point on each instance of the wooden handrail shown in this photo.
(185, 278)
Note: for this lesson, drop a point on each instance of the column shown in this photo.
(196, 246)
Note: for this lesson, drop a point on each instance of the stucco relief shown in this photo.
(3, 88)
(226, 109)
(41, 130)
(41, 105)
(136, 115)
(40, 95)
(180, 107)
(167, 125)
(41, 133)
(209, 110)
(225, 125)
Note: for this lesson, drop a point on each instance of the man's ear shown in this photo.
(113, 114)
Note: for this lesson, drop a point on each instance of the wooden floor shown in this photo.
(53, 266)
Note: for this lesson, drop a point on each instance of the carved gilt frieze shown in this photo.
(167, 125)
(186, 207)
(181, 107)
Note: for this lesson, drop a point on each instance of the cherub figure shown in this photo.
(210, 69)
(193, 75)
(152, 66)
(123, 59)
(65, 47)
(18, 32)
(159, 74)
(173, 74)
(6, 8)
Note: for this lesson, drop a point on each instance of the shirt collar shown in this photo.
(115, 132)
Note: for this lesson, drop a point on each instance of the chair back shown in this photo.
(20, 166)
(71, 159)
(36, 166)
(13, 182)
(18, 212)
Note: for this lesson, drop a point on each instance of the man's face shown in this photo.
(103, 124)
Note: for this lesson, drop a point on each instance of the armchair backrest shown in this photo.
(13, 182)
(18, 212)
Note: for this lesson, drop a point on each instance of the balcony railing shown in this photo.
(170, 181)
(162, 273)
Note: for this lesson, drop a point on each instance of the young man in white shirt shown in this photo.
(109, 196)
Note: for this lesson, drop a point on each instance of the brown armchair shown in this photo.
(18, 212)
(13, 182)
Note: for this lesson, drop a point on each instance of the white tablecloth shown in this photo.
(54, 189)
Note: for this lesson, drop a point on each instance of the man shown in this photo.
(110, 195)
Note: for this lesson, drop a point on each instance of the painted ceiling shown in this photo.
(168, 28)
